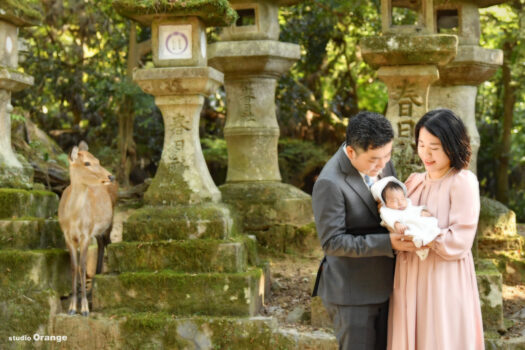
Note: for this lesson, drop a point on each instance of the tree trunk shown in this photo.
(509, 100)
(126, 144)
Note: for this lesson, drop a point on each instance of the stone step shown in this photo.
(121, 330)
(24, 312)
(205, 221)
(490, 294)
(198, 255)
(490, 247)
(212, 294)
(31, 233)
(17, 203)
(36, 269)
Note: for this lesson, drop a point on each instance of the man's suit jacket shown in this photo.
(358, 267)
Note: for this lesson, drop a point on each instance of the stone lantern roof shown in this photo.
(20, 12)
(214, 13)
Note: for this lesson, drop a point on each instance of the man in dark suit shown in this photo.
(356, 275)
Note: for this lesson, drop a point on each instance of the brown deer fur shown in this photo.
(86, 211)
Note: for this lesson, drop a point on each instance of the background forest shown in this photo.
(83, 53)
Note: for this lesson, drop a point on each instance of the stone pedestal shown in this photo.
(408, 66)
(15, 171)
(182, 177)
(269, 209)
(457, 87)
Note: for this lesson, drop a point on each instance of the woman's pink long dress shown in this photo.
(435, 302)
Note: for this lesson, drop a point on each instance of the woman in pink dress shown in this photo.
(435, 302)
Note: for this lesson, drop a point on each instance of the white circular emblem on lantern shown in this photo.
(175, 42)
(9, 45)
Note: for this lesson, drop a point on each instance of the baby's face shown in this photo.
(395, 199)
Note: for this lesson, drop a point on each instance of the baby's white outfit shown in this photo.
(424, 229)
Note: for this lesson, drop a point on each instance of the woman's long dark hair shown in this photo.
(452, 133)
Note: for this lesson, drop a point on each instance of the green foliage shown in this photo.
(330, 82)
(503, 27)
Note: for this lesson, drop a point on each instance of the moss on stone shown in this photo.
(495, 219)
(262, 205)
(394, 50)
(235, 294)
(18, 203)
(25, 312)
(180, 222)
(30, 233)
(183, 256)
(42, 269)
(490, 292)
(136, 330)
(21, 12)
(211, 12)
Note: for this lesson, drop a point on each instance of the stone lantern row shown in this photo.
(422, 68)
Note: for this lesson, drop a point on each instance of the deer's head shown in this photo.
(85, 168)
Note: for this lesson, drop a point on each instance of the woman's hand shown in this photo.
(426, 213)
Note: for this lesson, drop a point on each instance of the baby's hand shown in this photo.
(400, 228)
(425, 212)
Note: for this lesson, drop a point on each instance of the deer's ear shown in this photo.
(73, 155)
(83, 146)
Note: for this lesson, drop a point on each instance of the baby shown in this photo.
(398, 212)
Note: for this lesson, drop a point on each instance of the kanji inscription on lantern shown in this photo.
(407, 97)
(405, 128)
(180, 124)
(248, 96)
(175, 42)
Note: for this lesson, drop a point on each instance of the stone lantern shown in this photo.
(408, 57)
(15, 171)
(252, 60)
(458, 80)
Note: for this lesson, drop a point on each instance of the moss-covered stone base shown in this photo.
(197, 255)
(263, 204)
(39, 269)
(31, 233)
(215, 294)
(24, 312)
(16, 203)
(16, 177)
(492, 247)
(213, 220)
(120, 330)
(495, 219)
(490, 294)
(278, 214)
(283, 238)
(512, 267)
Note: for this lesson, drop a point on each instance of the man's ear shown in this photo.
(73, 155)
(351, 152)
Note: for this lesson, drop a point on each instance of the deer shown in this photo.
(85, 211)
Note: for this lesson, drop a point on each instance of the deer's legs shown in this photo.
(102, 241)
(84, 310)
(74, 273)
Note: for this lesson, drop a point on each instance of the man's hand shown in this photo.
(400, 228)
(402, 242)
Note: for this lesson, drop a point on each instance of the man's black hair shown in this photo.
(451, 131)
(392, 185)
(368, 130)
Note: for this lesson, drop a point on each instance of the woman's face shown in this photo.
(432, 154)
